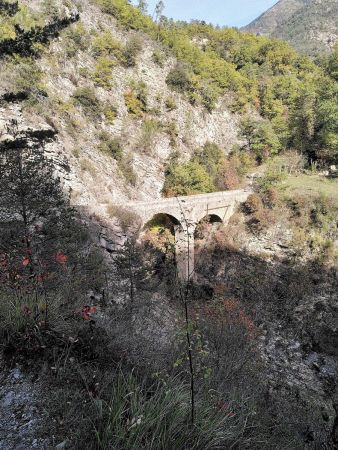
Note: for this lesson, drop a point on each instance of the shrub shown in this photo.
(179, 79)
(110, 146)
(273, 176)
(110, 113)
(170, 103)
(104, 44)
(102, 74)
(261, 138)
(227, 178)
(211, 157)
(148, 132)
(136, 99)
(158, 57)
(171, 130)
(125, 217)
(86, 98)
(187, 179)
(126, 167)
(77, 39)
(27, 75)
(131, 50)
(133, 104)
(253, 204)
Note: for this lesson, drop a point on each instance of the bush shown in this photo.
(158, 57)
(227, 178)
(273, 176)
(77, 39)
(86, 98)
(148, 132)
(136, 99)
(253, 204)
(110, 113)
(179, 79)
(260, 218)
(104, 44)
(261, 138)
(102, 74)
(110, 146)
(126, 167)
(131, 50)
(171, 130)
(170, 103)
(27, 76)
(187, 179)
(125, 217)
(211, 157)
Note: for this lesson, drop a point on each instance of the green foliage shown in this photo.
(261, 139)
(187, 179)
(179, 79)
(131, 50)
(158, 57)
(136, 98)
(110, 113)
(141, 417)
(110, 146)
(150, 128)
(260, 73)
(35, 36)
(27, 75)
(210, 157)
(76, 39)
(332, 66)
(86, 98)
(102, 74)
(273, 176)
(170, 103)
(104, 44)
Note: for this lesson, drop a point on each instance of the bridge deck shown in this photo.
(228, 196)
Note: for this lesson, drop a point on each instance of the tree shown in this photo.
(159, 8)
(210, 157)
(261, 138)
(187, 179)
(302, 120)
(143, 6)
(39, 231)
(133, 270)
(159, 18)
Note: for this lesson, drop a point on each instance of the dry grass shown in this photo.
(311, 184)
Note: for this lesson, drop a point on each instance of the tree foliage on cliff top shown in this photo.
(258, 72)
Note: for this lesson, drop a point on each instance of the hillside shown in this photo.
(309, 25)
(103, 343)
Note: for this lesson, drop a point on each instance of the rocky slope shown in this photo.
(95, 179)
(309, 25)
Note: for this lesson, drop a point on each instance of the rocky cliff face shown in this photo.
(309, 25)
(94, 178)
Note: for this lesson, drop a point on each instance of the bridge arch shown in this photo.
(162, 218)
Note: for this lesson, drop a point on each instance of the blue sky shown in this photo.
(234, 13)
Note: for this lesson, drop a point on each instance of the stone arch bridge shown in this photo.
(186, 213)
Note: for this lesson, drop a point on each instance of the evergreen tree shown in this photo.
(36, 221)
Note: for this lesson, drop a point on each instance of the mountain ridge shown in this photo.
(308, 25)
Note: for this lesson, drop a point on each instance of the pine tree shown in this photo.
(36, 220)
